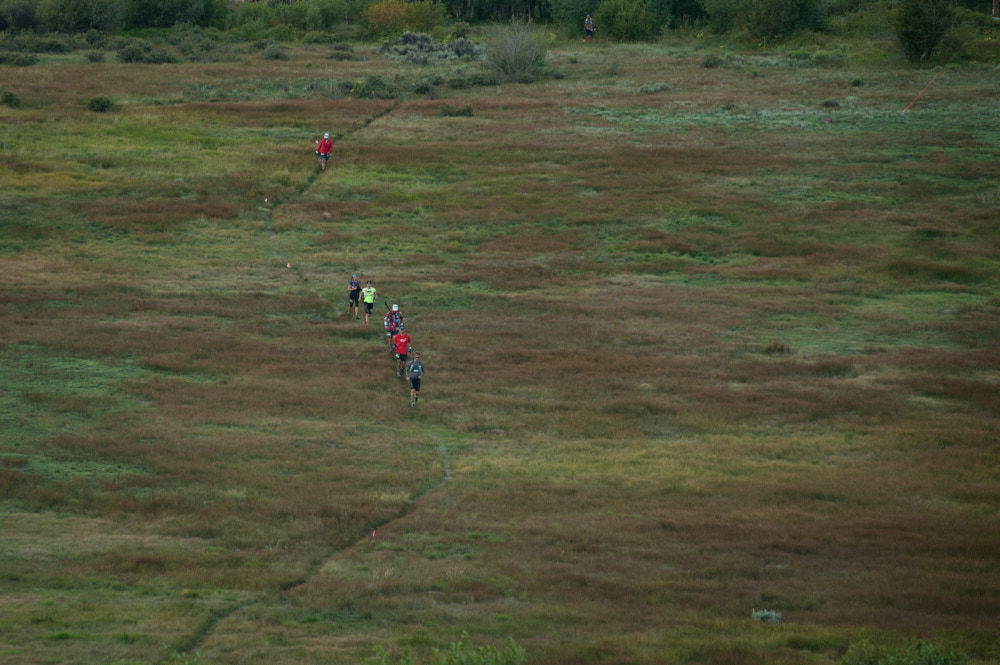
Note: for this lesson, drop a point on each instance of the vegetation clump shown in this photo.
(101, 104)
(916, 653)
(8, 98)
(463, 652)
(341, 51)
(515, 51)
(451, 111)
(141, 51)
(628, 20)
(419, 48)
(920, 25)
(653, 88)
(767, 616)
(375, 87)
(18, 59)
(712, 61)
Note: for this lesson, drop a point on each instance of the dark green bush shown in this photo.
(8, 98)
(276, 52)
(16, 59)
(375, 87)
(920, 25)
(101, 104)
(628, 20)
(427, 84)
(141, 51)
(767, 20)
(712, 61)
(95, 55)
(451, 111)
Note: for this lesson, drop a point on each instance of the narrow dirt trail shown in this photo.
(217, 618)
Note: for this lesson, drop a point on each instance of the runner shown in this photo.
(402, 340)
(415, 371)
(588, 27)
(324, 150)
(393, 320)
(369, 295)
(354, 295)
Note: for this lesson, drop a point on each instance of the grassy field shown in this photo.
(725, 347)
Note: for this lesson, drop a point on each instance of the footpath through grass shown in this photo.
(725, 348)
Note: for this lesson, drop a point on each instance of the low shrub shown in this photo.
(653, 88)
(712, 60)
(95, 55)
(419, 48)
(427, 84)
(8, 98)
(515, 51)
(101, 104)
(18, 59)
(275, 53)
(766, 616)
(340, 55)
(451, 111)
(375, 87)
(140, 51)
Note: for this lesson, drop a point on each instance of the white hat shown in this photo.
(326, 136)
(395, 308)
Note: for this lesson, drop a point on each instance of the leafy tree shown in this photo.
(770, 19)
(721, 14)
(165, 13)
(920, 25)
(326, 14)
(424, 16)
(18, 14)
(79, 15)
(384, 17)
(572, 12)
(628, 20)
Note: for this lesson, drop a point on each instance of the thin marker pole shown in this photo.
(922, 91)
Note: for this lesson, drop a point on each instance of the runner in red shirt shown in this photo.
(324, 150)
(402, 342)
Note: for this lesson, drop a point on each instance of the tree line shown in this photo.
(919, 25)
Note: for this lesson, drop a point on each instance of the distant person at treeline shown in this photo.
(588, 27)
(324, 150)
